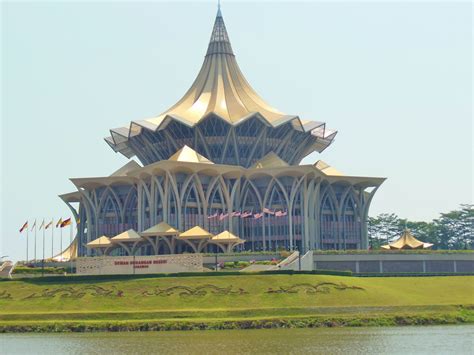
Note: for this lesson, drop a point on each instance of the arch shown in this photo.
(350, 220)
(109, 213)
(251, 229)
(192, 206)
(215, 197)
(276, 197)
(130, 210)
(328, 219)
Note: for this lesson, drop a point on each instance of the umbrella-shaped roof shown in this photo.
(195, 233)
(127, 236)
(407, 241)
(160, 229)
(100, 242)
(226, 237)
(189, 155)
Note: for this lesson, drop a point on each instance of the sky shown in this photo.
(394, 78)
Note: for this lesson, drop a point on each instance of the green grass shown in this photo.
(234, 301)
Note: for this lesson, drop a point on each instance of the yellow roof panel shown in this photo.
(187, 154)
(407, 241)
(100, 242)
(160, 229)
(195, 233)
(127, 236)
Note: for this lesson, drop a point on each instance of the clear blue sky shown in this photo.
(395, 78)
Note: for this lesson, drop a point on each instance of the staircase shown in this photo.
(6, 269)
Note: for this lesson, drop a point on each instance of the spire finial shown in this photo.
(219, 8)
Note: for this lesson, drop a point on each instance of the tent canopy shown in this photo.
(160, 229)
(195, 233)
(100, 242)
(407, 241)
(127, 236)
(226, 237)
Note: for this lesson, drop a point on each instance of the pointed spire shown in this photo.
(219, 43)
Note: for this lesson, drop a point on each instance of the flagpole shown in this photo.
(52, 239)
(70, 247)
(35, 242)
(27, 234)
(42, 270)
(61, 245)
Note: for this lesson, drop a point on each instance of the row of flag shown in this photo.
(59, 224)
(246, 214)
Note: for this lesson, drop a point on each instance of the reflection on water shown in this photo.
(390, 340)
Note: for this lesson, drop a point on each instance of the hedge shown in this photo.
(80, 278)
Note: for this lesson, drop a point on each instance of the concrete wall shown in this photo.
(395, 263)
(110, 265)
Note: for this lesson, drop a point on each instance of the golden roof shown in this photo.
(195, 233)
(131, 165)
(271, 160)
(226, 236)
(327, 169)
(160, 229)
(407, 241)
(100, 242)
(127, 236)
(189, 155)
(219, 88)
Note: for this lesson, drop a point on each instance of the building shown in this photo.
(224, 159)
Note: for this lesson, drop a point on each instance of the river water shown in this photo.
(390, 340)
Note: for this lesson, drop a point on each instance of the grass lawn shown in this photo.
(212, 300)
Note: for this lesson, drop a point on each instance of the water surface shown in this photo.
(390, 340)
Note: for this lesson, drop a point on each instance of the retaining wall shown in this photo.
(396, 263)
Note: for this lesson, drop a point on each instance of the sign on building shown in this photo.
(114, 265)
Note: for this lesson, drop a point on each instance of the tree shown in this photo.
(383, 229)
(452, 230)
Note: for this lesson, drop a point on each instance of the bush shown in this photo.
(39, 270)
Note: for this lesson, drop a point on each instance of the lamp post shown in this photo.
(299, 258)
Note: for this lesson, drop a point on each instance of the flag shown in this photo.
(59, 222)
(258, 215)
(212, 216)
(48, 225)
(34, 225)
(236, 214)
(245, 214)
(65, 223)
(42, 225)
(25, 226)
(266, 210)
(223, 216)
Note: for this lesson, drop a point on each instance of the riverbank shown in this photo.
(233, 302)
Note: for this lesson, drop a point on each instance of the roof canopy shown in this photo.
(220, 87)
(195, 233)
(219, 90)
(100, 242)
(226, 237)
(127, 236)
(407, 241)
(271, 160)
(189, 155)
(160, 229)
(327, 169)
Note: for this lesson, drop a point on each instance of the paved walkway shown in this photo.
(5, 269)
